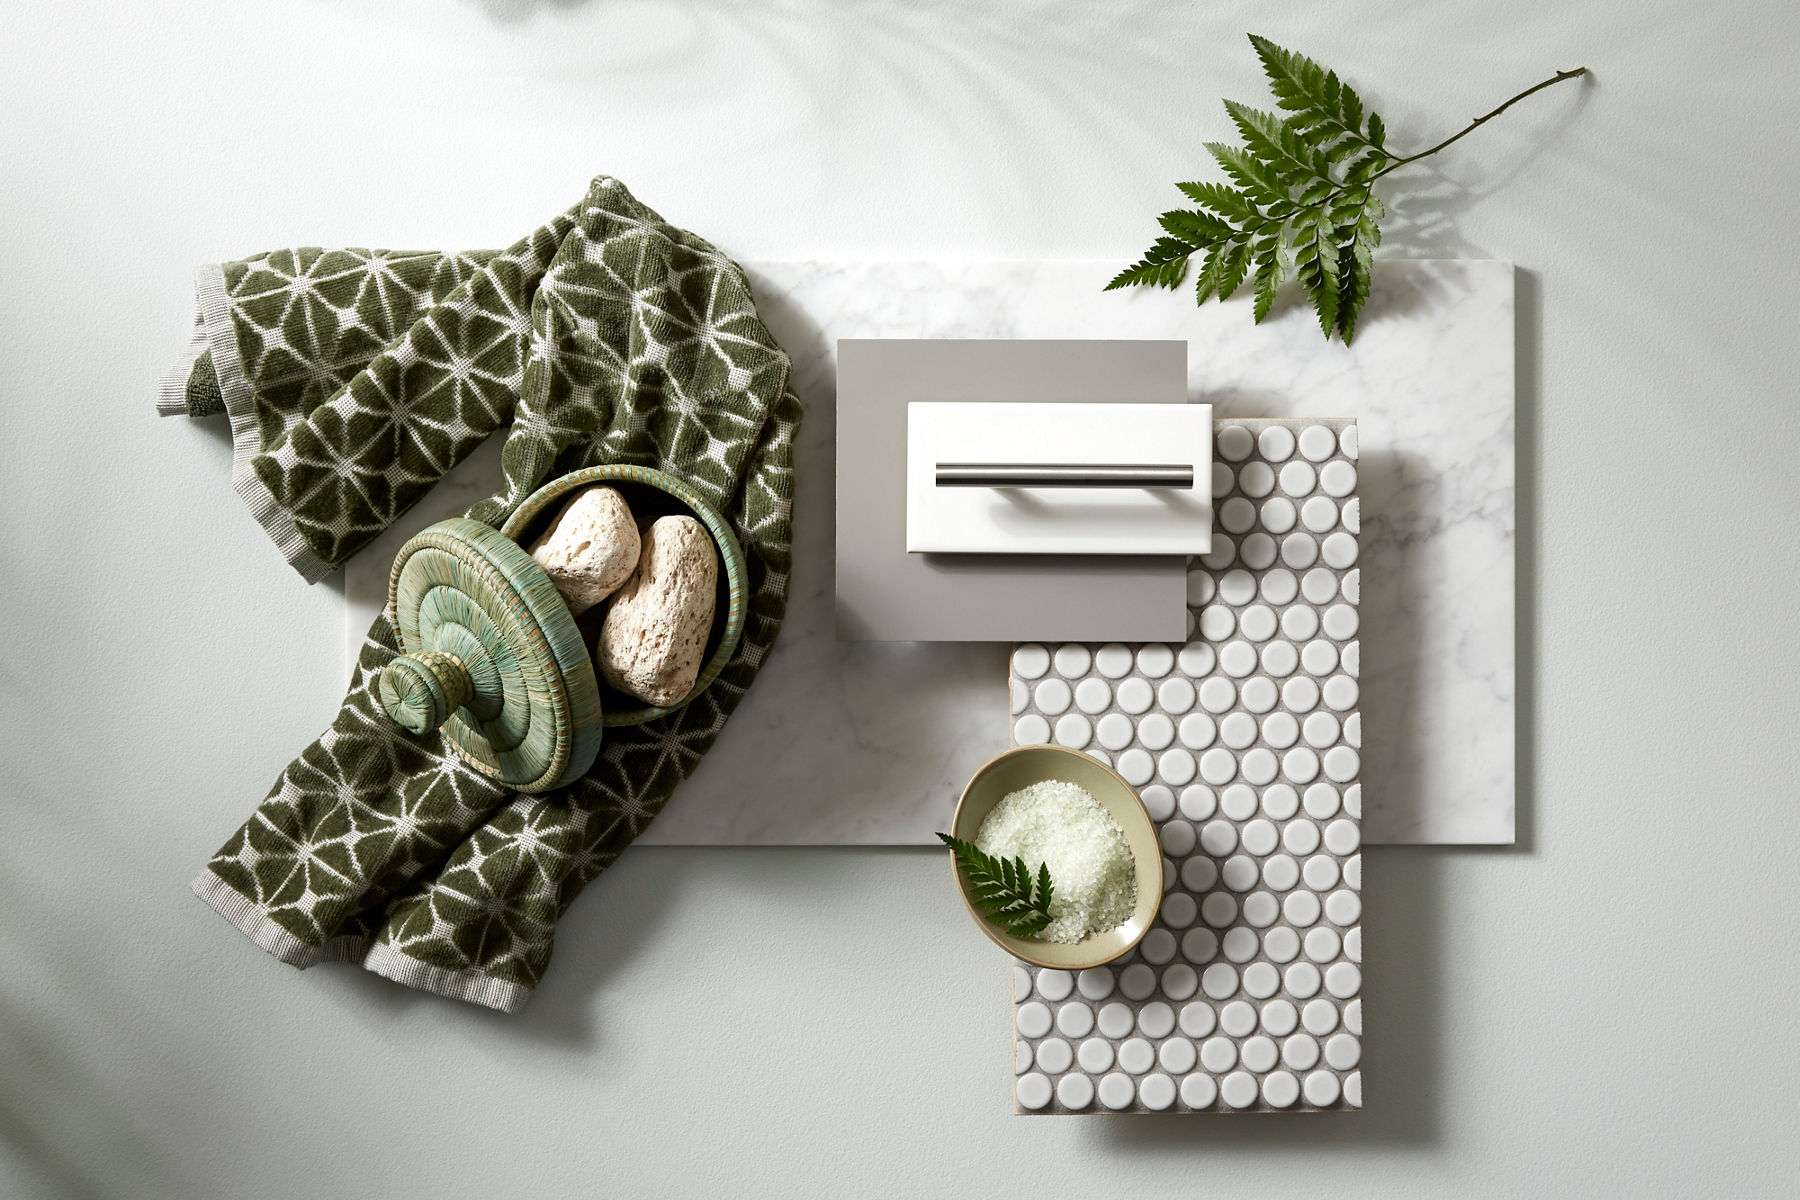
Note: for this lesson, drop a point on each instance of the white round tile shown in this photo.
(1198, 875)
(1072, 660)
(1136, 1056)
(1320, 872)
(1319, 586)
(1198, 802)
(1298, 478)
(1197, 1020)
(1319, 1017)
(1234, 443)
(1177, 1056)
(1341, 692)
(1218, 1054)
(1256, 479)
(1259, 765)
(1318, 514)
(1240, 875)
(1021, 984)
(1279, 802)
(1177, 838)
(1281, 1090)
(1178, 912)
(1218, 766)
(1156, 1020)
(1075, 1019)
(1136, 766)
(1092, 695)
(1258, 551)
(1053, 984)
(1032, 1019)
(1237, 659)
(1237, 1018)
(1340, 622)
(1353, 658)
(1300, 764)
(1280, 873)
(1155, 660)
(1353, 1089)
(1222, 480)
(1322, 1090)
(1021, 696)
(1031, 730)
(1347, 441)
(1114, 731)
(1156, 1092)
(1280, 730)
(1319, 657)
(1317, 442)
(1021, 1057)
(1343, 980)
(1302, 981)
(1353, 1017)
(1257, 1054)
(1176, 695)
(1237, 515)
(1028, 662)
(1259, 837)
(1095, 1055)
(1157, 948)
(1261, 909)
(1199, 1091)
(1112, 660)
(1320, 731)
(1300, 694)
(1299, 550)
(1238, 730)
(1032, 1091)
(1281, 945)
(1279, 659)
(1075, 1092)
(1342, 836)
(1257, 623)
(1301, 1052)
(1180, 981)
(1343, 907)
(1260, 980)
(1137, 981)
(1258, 695)
(1278, 1018)
(1073, 731)
(1156, 731)
(1300, 908)
(1278, 515)
(1279, 587)
(1238, 1089)
(1114, 1020)
(1299, 622)
(1196, 659)
(1219, 981)
(1342, 1052)
(1134, 695)
(1322, 944)
(1096, 983)
(1239, 945)
(1116, 1091)
(1337, 478)
(1054, 1056)
(1321, 798)
(1276, 443)
(1238, 802)
(1339, 550)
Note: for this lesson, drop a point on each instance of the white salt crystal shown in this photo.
(1092, 874)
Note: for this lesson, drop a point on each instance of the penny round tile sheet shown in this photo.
(1245, 745)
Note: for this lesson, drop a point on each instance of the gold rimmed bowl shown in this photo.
(1024, 766)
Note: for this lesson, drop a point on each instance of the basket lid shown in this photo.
(491, 655)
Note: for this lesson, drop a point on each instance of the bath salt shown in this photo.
(1093, 882)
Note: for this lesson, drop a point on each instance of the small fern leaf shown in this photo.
(1229, 203)
(1197, 229)
(1377, 131)
(1234, 264)
(1270, 140)
(1260, 183)
(1003, 888)
(1355, 269)
(1268, 281)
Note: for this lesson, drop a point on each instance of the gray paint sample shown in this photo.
(886, 594)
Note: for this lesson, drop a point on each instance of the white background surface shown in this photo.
(1605, 1009)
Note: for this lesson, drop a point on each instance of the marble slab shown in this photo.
(868, 743)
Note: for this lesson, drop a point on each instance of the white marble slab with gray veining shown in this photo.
(868, 743)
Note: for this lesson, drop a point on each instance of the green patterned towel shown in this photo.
(354, 379)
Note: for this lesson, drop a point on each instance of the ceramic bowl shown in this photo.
(1025, 766)
(650, 494)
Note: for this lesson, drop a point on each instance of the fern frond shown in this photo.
(1004, 888)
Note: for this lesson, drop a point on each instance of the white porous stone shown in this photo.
(590, 548)
(654, 638)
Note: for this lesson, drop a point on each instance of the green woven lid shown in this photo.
(492, 656)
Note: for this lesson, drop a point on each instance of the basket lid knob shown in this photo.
(420, 691)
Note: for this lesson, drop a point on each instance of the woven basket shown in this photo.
(650, 493)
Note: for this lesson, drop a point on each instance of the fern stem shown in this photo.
(1559, 77)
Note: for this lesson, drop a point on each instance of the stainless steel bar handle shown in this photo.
(1066, 475)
